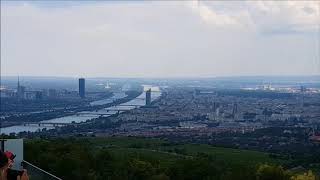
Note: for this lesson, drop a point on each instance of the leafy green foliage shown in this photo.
(267, 172)
(144, 159)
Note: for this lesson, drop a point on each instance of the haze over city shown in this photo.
(160, 39)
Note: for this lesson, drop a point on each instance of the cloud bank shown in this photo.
(160, 39)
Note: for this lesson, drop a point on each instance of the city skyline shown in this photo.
(160, 39)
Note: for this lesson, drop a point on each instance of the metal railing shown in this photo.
(36, 173)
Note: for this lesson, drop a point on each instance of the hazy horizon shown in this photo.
(160, 39)
(185, 77)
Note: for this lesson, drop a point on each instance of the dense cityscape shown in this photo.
(194, 112)
(173, 108)
(280, 119)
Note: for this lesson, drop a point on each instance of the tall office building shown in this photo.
(148, 97)
(82, 87)
(234, 109)
(20, 90)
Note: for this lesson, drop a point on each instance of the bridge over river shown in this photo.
(82, 116)
(44, 124)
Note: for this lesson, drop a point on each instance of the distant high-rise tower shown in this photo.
(82, 87)
(20, 90)
(148, 97)
(302, 92)
(234, 110)
(18, 83)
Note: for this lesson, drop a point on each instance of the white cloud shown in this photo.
(159, 39)
(262, 16)
(210, 16)
(285, 16)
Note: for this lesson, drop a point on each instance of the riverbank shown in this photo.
(131, 101)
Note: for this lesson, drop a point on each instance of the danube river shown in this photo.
(88, 115)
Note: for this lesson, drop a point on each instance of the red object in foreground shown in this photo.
(10, 155)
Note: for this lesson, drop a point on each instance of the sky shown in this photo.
(160, 38)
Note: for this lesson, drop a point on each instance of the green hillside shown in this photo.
(143, 158)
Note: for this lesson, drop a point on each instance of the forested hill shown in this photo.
(141, 158)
